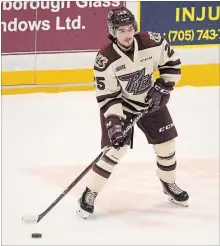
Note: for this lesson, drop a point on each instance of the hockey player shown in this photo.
(124, 83)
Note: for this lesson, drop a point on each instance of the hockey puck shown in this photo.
(36, 235)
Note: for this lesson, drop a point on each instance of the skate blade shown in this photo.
(82, 213)
(183, 204)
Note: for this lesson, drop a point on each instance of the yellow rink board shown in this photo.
(51, 80)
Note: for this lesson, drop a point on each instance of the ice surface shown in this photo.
(48, 140)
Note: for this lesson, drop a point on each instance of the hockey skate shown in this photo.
(86, 203)
(175, 194)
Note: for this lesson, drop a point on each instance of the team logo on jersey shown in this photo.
(155, 36)
(137, 82)
(100, 61)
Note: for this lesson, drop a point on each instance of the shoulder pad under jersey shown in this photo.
(148, 40)
(105, 57)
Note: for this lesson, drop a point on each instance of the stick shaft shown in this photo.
(40, 217)
(127, 129)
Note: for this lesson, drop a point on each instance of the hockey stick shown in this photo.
(33, 219)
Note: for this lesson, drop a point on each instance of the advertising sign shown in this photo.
(181, 22)
(54, 26)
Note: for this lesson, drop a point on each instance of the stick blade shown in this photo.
(30, 219)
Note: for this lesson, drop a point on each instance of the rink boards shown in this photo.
(55, 65)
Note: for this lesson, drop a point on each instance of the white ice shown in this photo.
(48, 140)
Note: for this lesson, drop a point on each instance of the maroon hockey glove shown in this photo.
(160, 93)
(114, 126)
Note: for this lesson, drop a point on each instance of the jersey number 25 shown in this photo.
(100, 83)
